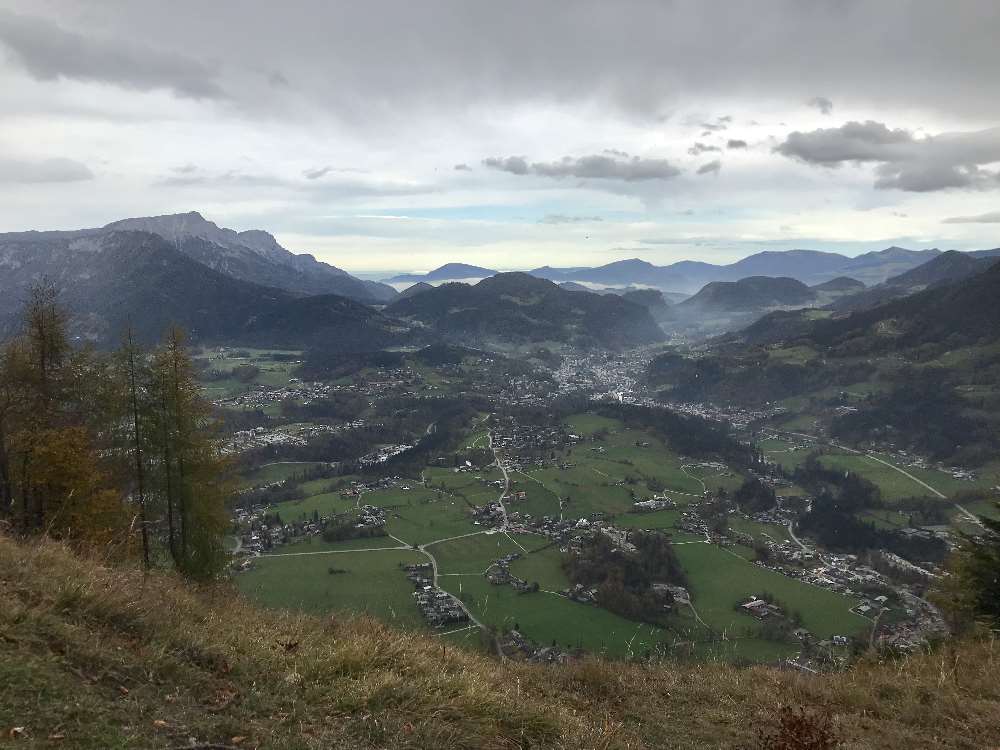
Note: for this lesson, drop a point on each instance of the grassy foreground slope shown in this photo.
(94, 656)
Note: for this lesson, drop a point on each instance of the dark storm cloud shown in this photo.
(48, 52)
(712, 167)
(700, 148)
(735, 143)
(25, 172)
(593, 167)
(903, 161)
(821, 103)
(993, 217)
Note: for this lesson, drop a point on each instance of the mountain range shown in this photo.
(945, 268)
(112, 279)
(254, 256)
(687, 276)
(951, 301)
(244, 287)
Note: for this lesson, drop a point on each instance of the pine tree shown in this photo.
(192, 476)
(971, 594)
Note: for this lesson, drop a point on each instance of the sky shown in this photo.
(396, 136)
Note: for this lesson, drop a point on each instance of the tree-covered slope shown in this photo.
(518, 308)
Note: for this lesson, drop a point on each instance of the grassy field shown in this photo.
(428, 518)
(544, 567)
(758, 530)
(547, 618)
(660, 519)
(98, 656)
(277, 472)
(608, 474)
(473, 554)
(719, 580)
(373, 584)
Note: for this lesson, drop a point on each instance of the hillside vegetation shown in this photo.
(98, 656)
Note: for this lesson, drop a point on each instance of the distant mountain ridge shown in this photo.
(946, 268)
(811, 267)
(515, 308)
(447, 272)
(114, 279)
(750, 294)
(253, 255)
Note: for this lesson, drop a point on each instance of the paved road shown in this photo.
(506, 483)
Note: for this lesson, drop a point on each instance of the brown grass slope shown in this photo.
(94, 656)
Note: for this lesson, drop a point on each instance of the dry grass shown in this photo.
(94, 656)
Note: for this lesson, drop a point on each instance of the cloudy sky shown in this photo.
(385, 136)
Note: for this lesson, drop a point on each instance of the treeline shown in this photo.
(833, 521)
(624, 582)
(923, 413)
(750, 377)
(686, 435)
(114, 451)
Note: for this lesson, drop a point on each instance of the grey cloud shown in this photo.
(185, 169)
(315, 174)
(616, 152)
(595, 167)
(564, 219)
(854, 141)
(700, 148)
(512, 164)
(712, 167)
(821, 103)
(462, 168)
(735, 143)
(48, 52)
(343, 187)
(902, 161)
(993, 217)
(345, 58)
(25, 172)
(277, 79)
(721, 123)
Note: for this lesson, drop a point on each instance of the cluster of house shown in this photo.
(658, 502)
(370, 517)
(530, 440)
(357, 489)
(438, 607)
(261, 396)
(383, 454)
(580, 593)
(761, 609)
(515, 646)
(295, 435)
(420, 574)
(498, 573)
(601, 372)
